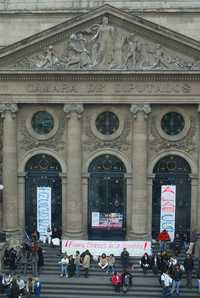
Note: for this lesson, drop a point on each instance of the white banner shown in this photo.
(135, 248)
(168, 209)
(43, 210)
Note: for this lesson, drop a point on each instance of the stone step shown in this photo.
(98, 284)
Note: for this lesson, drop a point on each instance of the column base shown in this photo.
(13, 237)
(137, 236)
(74, 236)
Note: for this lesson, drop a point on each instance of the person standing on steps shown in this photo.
(77, 263)
(188, 265)
(64, 266)
(176, 276)
(37, 288)
(116, 281)
(166, 282)
(124, 259)
(86, 262)
(163, 238)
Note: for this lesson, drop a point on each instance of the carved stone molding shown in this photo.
(92, 143)
(8, 108)
(55, 142)
(186, 144)
(146, 109)
(105, 46)
(73, 108)
(101, 76)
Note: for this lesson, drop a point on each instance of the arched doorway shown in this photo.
(172, 170)
(43, 179)
(107, 198)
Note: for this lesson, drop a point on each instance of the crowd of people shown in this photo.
(165, 263)
(24, 260)
(171, 266)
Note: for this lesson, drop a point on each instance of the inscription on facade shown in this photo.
(112, 88)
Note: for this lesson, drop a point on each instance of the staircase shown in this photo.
(98, 284)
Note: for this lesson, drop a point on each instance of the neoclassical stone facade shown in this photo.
(104, 110)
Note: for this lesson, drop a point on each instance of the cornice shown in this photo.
(100, 76)
(75, 12)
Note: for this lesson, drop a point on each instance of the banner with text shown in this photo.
(111, 221)
(43, 210)
(96, 248)
(168, 209)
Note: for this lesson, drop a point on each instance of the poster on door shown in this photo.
(107, 220)
(43, 211)
(168, 209)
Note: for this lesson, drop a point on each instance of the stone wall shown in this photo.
(78, 4)
(22, 18)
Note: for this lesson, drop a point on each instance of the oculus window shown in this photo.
(42, 122)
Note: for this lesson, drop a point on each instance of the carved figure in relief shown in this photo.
(132, 51)
(77, 53)
(102, 43)
(49, 60)
(119, 41)
(103, 46)
(159, 57)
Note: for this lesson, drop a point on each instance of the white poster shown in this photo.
(96, 248)
(95, 219)
(168, 209)
(43, 210)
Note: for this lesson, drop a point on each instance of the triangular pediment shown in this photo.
(104, 39)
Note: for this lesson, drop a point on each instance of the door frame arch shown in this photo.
(195, 204)
(111, 175)
(85, 182)
(21, 180)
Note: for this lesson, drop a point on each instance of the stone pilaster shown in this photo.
(139, 159)
(10, 191)
(73, 205)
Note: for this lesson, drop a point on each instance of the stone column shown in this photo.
(195, 203)
(149, 198)
(74, 206)
(85, 180)
(128, 205)
(139, 160)
(10, 192)
(21, 204)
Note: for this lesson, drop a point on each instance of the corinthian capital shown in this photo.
(73, 108)
(8, 108)
(146, 109)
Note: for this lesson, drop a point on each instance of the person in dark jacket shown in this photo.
(198, 277)
(164, 262)
(71, 267)
(155, 263)
(14, 289)
(188, 265)
(126, 280)
(124, 259)
(176, 277)
(177, 244)
(40, 258)
(12, 259)
(145, 263)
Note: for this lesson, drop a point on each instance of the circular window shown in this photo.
(107, 123)
(172, 123)
(42, 122)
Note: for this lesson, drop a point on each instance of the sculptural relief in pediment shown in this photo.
(104, 46)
